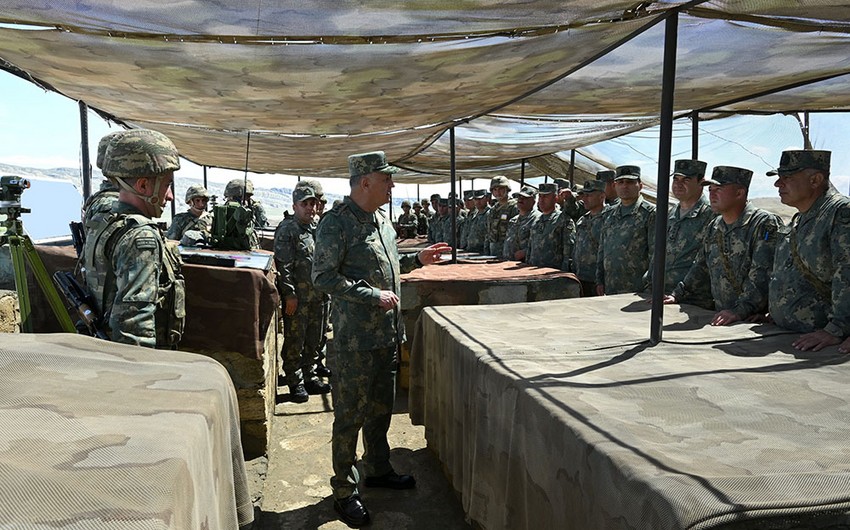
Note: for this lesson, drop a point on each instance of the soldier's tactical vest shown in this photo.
(100, 277)
(232, 227)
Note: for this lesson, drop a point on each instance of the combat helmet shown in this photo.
(195, 191)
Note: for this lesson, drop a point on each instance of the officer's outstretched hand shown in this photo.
(431, 255)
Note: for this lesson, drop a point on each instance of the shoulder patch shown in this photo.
(843, 216)
(144, 243)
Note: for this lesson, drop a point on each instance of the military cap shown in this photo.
(729, 175)
(606, 175)
(562, 183)
(499, 181)
(196, 191)
(303, 193)
(593, 185)
(315, 184)
(545, 189)
(689, 168)
(103, 145)
(480, 194)
(365, 163)
(417, 205)
(627, 172)
(140, 153)
(525, 191)
(793, 161)
(444, 202)
(405, 203)
(468, 194)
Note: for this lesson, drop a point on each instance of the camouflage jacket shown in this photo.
(685, 236)
(735, 260)
(356, 258)
(551, 241)
(626, 246)
(435, 229)
(136, 278)
(820, 297)
(407, 224)
(468, 221)
(260, 218)
(182, 222)
(422, 227)
(476, 237)
(519, 232)
(497, 221)
(573, 208)
(99, 204)
(588, 233)
(294, 245)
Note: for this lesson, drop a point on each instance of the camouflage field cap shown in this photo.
(546, 189)
(562, 183)
(793, 161)
(525, 192)
(627, 172)
(103, 145)
(140, 153)
(365, 163)
(729, 175)
(405, 203)
(303, 193)
(501, 180)
(468, 195)
(315, 184)
(606, 175)
(196, 191)
(444, 202)
(689, 168)
(480, 194)
(593, 185)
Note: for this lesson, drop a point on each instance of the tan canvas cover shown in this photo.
(313, 82)
(95, 434)
(558, 414)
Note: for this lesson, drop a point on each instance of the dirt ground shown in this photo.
(294, 481)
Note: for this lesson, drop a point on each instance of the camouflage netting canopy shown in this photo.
(315, 81)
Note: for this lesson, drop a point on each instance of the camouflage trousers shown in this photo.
(364, 392)
(321, 352)
(302, 334)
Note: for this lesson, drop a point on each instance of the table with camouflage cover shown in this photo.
(559, 414)
(101, 435)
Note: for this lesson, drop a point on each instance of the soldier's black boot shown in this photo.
(298, 394)
(322, 370)
(316, 387)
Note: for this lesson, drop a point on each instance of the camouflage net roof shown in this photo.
(315, 81)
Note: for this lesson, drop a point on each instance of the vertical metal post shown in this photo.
(664, 151)
(418, 195)
(453, 204)
(572, 167)
(205, 176)
(173, 201)
(807, 141)
(522, 173)
(84, 147)
(695, 135)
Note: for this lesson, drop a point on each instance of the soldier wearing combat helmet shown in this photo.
(195, 218)
(407, 222)
(133, 271)
(101, 202)
(500, 215)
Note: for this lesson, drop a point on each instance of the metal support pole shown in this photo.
(664, 151)
(84, 148)
(453, 203)
(807, 141)
(695, 135)
(418, 195)
(522, 173)
(173, 202)
(205, 176)
(572, 167)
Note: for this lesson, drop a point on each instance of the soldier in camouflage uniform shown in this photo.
(810, 286)
(607, 176)
(519, 227)
(435, 223)
(687, 224)
(235, 194)
(568, 199)
(476, 236)
(421, 218)
(302, 303)
(100, 203)
(196, 218)
(469, 214)
(133, 271)
(260, 218)
(736, 255)
(628, 237)
(551, 239)
(588, 234)
(502, 212)
(407, 222)
(357, 262)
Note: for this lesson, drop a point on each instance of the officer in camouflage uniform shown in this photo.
(476, 235)
(519, 227)
(551, 239)
(196, 218)
(407, 222)
(358, 264)
(588, 234)
(736, 255)
(421, 218)
(469, 214)
(687, 224)
(134, 272)
(100, 203)
(607, 176)
(628, 237)
(302, 303)
(436, 222)
(502, 212)
(810, 286)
